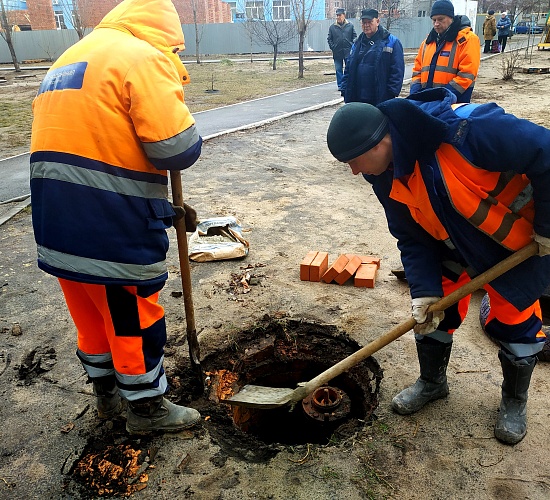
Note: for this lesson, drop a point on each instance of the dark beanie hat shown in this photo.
(442, 8)
(355, 129)
(491, 12)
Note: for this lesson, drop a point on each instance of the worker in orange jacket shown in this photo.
(109, 121)
(463, 187)
(450, 56)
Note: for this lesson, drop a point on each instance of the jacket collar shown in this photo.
(415, 128)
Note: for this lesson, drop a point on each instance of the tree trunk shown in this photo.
(301, 54)
(275, 53)
(6, 35)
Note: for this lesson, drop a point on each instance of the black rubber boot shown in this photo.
(159, 414)
(109, 402)
(511, 425)
(433, 357)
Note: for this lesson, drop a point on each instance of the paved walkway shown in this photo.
(14, 171)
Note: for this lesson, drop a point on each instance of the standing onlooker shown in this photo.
(504, 24)
(450, 55)
(341, 36)
(375, 67)
(489, 30)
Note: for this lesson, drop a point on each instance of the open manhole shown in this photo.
(282, 353)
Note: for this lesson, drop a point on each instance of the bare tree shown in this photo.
(198, 32)
(79, 12)
(302, 11)
(271, 31)
(6, 32)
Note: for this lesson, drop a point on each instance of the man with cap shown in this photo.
(489, 30)
(375, 67)
(460, 194)
(449, 57)
(504, 24)
(341, 36)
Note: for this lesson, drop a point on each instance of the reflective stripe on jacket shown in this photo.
(452, 64)
(498, 203)
(109, 120)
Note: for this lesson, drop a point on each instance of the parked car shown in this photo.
(524, 27)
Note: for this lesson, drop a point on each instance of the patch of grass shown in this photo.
(15, 122)
(243, 81)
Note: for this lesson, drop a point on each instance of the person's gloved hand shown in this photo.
(190, 215)
(544, 245)
(426, 322)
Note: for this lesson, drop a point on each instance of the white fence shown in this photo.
(231, 38)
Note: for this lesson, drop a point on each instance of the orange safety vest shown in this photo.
(500, 204)
(457, 63)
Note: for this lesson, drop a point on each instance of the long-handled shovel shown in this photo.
(255, 396)
(183, 253)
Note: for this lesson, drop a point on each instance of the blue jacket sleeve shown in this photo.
(397, 70)
(420, 253)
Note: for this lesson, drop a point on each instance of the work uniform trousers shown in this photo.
(518, 332)
(121, 332)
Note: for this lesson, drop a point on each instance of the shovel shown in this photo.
(255, 396)
(185, 271)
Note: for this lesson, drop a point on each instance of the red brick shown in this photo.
(366, 275)
(318, 267)
(352, 266)
(336, 268)
(367, 259)
(304, 265)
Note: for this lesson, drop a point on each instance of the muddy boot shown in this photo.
(159, 414)
(511, 425)
(109, 402)
(433, 357)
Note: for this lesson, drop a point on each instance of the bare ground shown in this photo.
(290, 196)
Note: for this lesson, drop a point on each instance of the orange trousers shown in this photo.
(119, 331)
(505, 323)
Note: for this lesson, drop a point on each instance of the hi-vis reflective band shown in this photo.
(173, 146)
(96, 179)
(66, 77)
(101, 268)
(97, 365)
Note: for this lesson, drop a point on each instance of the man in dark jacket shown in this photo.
(463, 187)
(341, 36)
(375, 67)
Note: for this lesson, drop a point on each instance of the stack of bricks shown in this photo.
(363, 268)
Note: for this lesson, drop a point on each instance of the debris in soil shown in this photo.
(5, 359)
(116, 470)
(16, 330)
(240, 283)
(35, 363)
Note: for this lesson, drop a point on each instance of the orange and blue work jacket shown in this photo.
(450, 61)
(109, 121)
(467, 186)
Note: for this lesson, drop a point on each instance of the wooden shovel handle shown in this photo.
(185, 270)
(374, 346)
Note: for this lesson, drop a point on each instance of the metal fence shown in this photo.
(231, 38)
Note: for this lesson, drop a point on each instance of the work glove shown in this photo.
(427, 322)
(544, 245)
(190, 215)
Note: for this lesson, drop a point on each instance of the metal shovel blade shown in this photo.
(255, 396)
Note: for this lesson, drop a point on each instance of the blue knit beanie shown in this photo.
(442, 8)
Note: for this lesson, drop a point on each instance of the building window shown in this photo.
(281, 10)
(59, 20)
(421, 13)
(255, 9)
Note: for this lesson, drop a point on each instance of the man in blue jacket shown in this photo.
(463, 187)
(341, 36)
(375, 67)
